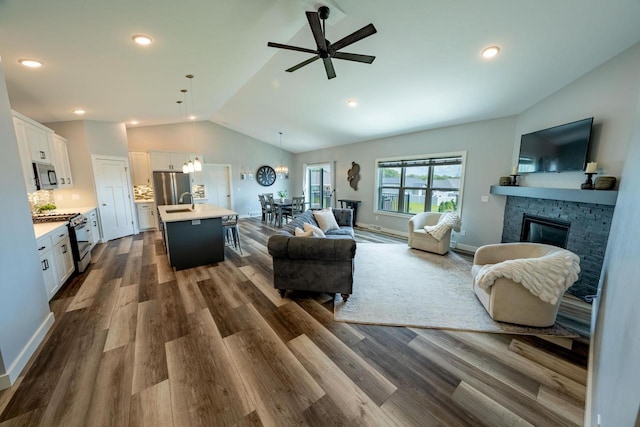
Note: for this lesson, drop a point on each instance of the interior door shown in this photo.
(217, 185)
(114, 199)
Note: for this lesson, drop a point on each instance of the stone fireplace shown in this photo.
(582, 227)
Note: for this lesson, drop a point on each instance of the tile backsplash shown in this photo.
(39, 198)
(143, 192)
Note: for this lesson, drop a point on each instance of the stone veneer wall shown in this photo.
(588, 234)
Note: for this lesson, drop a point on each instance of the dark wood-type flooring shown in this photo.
(135, 343)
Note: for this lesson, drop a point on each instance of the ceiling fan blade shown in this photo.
(316, 29)
(363, 32)
(302, 64)
(328, 66)
(367, 59)
(289, 47)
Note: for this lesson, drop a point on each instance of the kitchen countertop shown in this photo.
(200, 211)
(42, 229)
(144, 201)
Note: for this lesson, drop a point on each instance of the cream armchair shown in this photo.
(420, 239)
(507, 300)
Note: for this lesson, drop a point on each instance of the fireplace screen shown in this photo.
(549, 231)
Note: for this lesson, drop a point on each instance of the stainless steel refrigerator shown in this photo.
(168, 186)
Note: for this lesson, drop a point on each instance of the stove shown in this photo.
(53, 217)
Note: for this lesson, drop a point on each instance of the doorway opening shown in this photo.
(318, 188)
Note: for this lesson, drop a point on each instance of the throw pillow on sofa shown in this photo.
(326, 220)
(299, 232)
(317, 232)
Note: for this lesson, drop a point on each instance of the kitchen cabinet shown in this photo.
(48, 265)
(56, 259)
(140, 169)
(168, 161)
(38, 144)
(60, 160)
(146, 216)
(20, 128)
(95, 227)
(62, 257)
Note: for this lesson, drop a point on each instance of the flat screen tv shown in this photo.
(561, 148)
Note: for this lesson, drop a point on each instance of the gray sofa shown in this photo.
(312, 263)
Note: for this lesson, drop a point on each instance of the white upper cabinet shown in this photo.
(25, 154)
(60, 160)
(168, 161)
(140, 169)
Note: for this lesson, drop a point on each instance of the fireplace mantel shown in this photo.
(602, 197)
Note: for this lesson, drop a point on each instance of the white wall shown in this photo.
(615, 375)
(218, 145)
(606, 93)
(489, 146)
(23, 305)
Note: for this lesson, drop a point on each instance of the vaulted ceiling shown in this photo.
(428, 70)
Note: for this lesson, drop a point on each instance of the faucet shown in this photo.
(186, 193)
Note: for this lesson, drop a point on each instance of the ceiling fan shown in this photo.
(325, 49)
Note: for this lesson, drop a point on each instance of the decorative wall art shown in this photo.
(353, 175)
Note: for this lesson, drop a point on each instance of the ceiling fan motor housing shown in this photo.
(323, 12)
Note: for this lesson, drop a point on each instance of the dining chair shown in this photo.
(296, 208)
(266, 208)
(272, 207)
(231, 231)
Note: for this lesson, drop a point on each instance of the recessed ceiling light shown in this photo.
(352, 103)
(490, 52)
(192, 117)
(31, 63)
(142, 39)
(79, 111)
(134, 122)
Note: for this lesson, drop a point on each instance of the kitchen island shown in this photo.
(193, 236)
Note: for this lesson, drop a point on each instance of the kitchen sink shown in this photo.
(179, 210)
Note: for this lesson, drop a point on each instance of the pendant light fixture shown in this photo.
(281, 170)
(196, 164)
(185, 166)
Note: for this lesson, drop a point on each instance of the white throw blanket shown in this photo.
(446, 222)
(546, 277)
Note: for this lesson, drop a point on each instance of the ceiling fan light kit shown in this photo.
(326, 50)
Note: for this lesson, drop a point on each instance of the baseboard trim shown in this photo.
(12, 374)
(466, 248)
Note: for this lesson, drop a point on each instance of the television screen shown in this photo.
(558, 149)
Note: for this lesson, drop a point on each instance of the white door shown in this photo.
(114, 198)
(217, 184)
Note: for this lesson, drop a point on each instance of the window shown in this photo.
(427, 184)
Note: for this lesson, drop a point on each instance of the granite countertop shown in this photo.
(200, 211)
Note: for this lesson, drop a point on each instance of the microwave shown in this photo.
(45, 176)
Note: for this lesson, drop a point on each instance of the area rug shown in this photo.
(399, 286)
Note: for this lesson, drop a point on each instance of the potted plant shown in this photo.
(282, 194)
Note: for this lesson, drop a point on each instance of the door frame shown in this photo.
(94, 158)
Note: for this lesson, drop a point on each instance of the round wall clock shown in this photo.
(266, 176)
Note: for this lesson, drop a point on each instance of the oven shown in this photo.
(81, 237)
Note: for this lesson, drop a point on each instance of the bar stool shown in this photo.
(231, 231)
